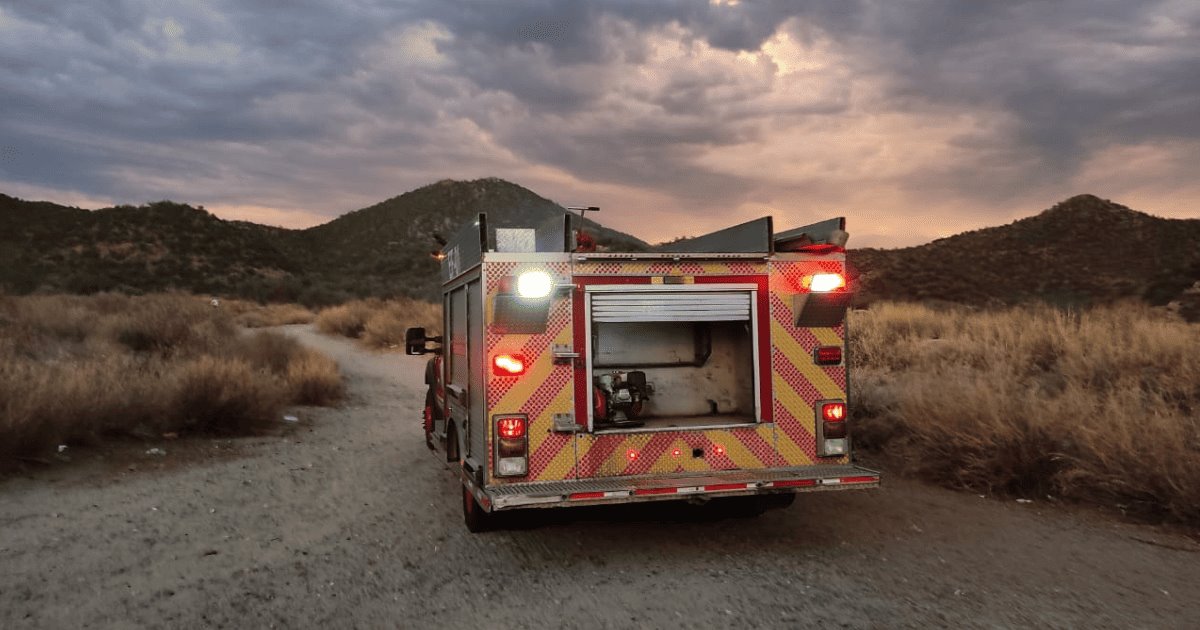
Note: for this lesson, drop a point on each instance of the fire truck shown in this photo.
(707, 368)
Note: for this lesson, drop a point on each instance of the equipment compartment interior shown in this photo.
(665, 374)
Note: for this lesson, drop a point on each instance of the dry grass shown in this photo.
(255, 315)
(379, 323)
(74, 369)
(1099, 406)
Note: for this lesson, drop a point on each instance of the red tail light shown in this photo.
(833, 412)
(511, 428)
(508, 365)
(512, 445)
(828, 355)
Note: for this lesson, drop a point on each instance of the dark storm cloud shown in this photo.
(317, 105)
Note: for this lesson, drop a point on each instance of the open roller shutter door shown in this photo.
(674, 306)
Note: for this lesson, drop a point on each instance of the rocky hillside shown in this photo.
(381, 250)
(1082, 251)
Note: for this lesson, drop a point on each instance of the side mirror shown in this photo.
(415, 342)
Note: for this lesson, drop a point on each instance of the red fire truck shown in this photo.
(710, 367)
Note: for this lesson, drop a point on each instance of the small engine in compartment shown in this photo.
(620, 398)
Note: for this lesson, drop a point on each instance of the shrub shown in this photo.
(346, 320)
(314, 379)
(226, 396)
(380, 324)
(261, 316)
(1100, 405)
(75, 369)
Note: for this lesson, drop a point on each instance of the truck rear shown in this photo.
(713, 368)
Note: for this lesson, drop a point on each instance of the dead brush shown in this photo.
(379, 323)
(313, 379)
(1098, 406)
(347, 320)
(253, 315)
(77, 369)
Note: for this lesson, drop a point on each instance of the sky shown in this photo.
(915, 119)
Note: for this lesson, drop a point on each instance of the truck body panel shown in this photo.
(646, 375)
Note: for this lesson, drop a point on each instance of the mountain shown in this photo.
(1084, 250)
(385, 248)
(377, 251)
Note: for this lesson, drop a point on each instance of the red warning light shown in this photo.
(632, 454)
(719, 450)
(508, 365)
(676, 453)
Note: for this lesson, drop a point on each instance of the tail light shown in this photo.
(512, 428)
(828, 355)
(833, 412)
(512, 445)
(832, 440)
(508, 365)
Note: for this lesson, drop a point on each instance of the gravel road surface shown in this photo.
(346, 520)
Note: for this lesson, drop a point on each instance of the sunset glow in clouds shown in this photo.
(915, 119)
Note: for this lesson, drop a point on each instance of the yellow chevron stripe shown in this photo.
(528, 383)
(561, 464)
(826, 336)
(667, 462)
(616, 460)
(736, 451)
(560, 404)
(813, 373)
(788, 449)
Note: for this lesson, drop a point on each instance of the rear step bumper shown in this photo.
(665, 487)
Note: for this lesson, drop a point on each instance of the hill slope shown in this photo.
(384, 249)
(381, 250)
(1083, 250)
(155, 247)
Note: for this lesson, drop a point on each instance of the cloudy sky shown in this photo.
(914, 118)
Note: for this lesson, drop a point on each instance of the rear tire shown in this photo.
(779, 501)
(452, 444)
(474, 516)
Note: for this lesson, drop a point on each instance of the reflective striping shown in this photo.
(728, 486)
(644, 491)
(793, 483)
(545, 389)
(799, 383)
(674, 306)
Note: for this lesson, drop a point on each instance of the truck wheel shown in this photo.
(476, 518)
(452, 444)
(779, 501)
(427, 425)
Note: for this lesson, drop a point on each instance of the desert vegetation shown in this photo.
(1100, 406)
(76, 369)
(379, 323)
(255, 315)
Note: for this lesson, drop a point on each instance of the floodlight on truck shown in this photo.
(825, 282)
(534, 285)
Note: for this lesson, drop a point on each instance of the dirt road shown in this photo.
(347, 521)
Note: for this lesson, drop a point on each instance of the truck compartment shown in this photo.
(672, 360)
